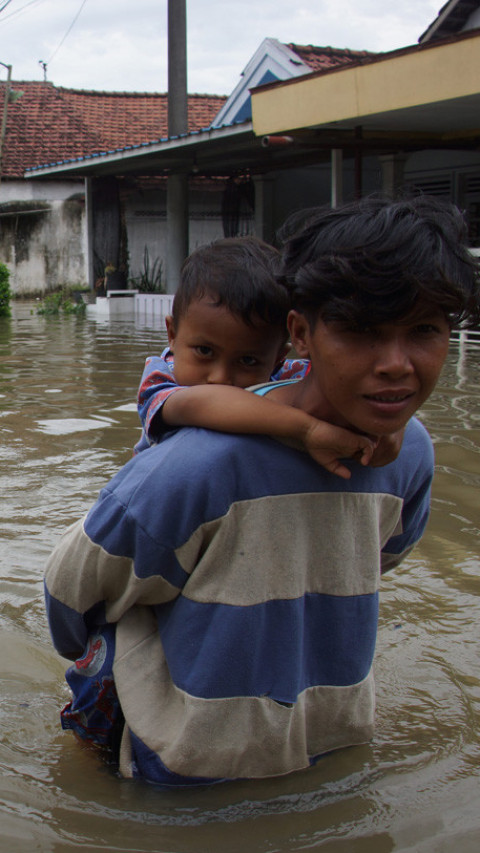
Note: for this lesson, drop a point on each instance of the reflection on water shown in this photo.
(67, 422)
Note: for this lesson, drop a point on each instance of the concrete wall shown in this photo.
(146, 224)
(43, 229)
(42, 235)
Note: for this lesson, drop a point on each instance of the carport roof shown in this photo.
(427, 91)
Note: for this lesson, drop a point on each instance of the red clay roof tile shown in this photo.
(50, 124)
(323, 58)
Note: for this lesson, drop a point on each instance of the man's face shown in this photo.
(213, 346)
(372, 378)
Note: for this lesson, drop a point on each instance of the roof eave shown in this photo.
(123, 159)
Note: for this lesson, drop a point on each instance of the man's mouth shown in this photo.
(388, 398)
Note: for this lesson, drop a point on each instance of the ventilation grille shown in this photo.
(441, 187)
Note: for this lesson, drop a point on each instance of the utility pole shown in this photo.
(177, 68)
(6, 99)
(177, 184)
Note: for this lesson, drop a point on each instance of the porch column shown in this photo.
(393, 167)
(89, 234)
(336, 160)
(264, 225)
(177, 229)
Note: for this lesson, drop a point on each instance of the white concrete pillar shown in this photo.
(336, 194)
(393, 168)
(177, 229)
(264, 223)
(89, 234)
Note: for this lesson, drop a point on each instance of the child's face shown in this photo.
(373, 378)
(213, 346)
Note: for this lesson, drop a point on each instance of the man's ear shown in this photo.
(171, 332)
(299, 333)
(282, 353)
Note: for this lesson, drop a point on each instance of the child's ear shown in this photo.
(299, 333)
(171, 333)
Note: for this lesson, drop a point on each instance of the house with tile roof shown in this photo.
(276, 61)
(416, 108)
(252, 165)
(44, 224)
(58, 123)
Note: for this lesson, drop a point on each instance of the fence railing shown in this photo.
(153, 306)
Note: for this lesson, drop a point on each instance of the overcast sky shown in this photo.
(121, 45)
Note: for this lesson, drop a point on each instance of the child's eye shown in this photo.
(249, 361)
(203, 351)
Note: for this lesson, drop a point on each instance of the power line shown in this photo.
(5, 5)
(68, 31)
(19, 11)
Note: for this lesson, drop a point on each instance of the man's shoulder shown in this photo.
(169, 490)
(413, 466)
(190, 452)
(417, 438)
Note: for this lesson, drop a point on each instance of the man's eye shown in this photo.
(249, 361)
(364, 330)
(203, 351)
(426, 329)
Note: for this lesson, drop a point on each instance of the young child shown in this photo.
(235, 612)
(228, 328)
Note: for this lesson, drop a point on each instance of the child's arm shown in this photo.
(228, 409)
(156, 384)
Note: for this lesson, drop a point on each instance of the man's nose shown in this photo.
(395, 357)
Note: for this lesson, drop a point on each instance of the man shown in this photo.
(226, 586)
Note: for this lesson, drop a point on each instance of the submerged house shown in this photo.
(305, 125)
(43, 231)
(65, 227)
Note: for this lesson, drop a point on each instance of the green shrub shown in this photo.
(150, 278)
(5, 292)
(60, 303)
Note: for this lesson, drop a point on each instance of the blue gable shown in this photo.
(245, 111)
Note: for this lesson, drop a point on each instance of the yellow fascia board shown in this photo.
(408, 79)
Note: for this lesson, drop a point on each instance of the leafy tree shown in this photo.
(5, 292)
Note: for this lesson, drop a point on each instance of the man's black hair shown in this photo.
(239, 273)
(371, 261)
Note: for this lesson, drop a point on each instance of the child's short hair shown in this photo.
(371, 261)
(239, 273)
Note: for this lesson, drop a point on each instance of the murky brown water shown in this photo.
(68, 421)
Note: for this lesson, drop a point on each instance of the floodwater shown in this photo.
(68, 421)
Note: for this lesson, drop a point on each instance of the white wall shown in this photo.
(41, 190)
(146, 223)
(42, 235)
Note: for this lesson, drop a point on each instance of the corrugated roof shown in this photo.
(50, 123)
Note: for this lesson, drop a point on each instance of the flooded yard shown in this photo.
(68, 421)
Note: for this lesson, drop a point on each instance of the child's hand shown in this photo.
(328, 444)
(387, 449)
